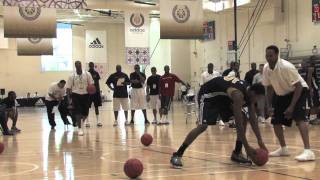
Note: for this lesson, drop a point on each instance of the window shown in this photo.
(62, 51)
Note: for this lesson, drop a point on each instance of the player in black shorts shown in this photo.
(308, 73)
(226, 96)
(95, 98)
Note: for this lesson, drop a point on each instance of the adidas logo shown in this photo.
(96, 44)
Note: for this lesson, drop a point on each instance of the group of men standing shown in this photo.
(159, 93)
(72, 97)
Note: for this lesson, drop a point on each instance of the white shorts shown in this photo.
(120, 102)
(154, 102)
(138, 99)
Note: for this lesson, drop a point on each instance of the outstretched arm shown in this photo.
(238, 102)
(254, 125)
(177, 79)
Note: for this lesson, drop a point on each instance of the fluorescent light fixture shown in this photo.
(70, 20)
(219, 5)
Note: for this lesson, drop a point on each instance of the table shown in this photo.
(29, 102)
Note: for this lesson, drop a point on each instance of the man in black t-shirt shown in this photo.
(250, 74)
(11, 110)
(138, 95)
(153, 92)
(118, 83)
(95, 98)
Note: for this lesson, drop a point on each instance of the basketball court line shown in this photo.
(171, 169)
(224, 156)
(35, 167)
(268, 144)
(225, 163)
(149, 164)
(8, 155)
(224, 172)
(207, 167)
(209, 160)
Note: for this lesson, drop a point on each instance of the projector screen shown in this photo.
(62, 51)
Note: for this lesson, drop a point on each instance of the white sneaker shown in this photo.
(282, 151)
(221, 123)
(155, 122)
(80, 132)
(115, 123)
(161, 121)
(261, 119)
(127, 123)
(87, 125)
(306, 155)
(268, 119)
(99, 124)
(166, 122)
(313, 117)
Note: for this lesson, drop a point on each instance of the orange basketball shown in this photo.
(133, 168)
(1, 148)
(91, 89)
(146, 139)
(261, 157)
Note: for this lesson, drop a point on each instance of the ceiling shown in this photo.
(108, 11)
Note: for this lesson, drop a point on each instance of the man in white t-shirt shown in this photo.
(287, 91)
(77, 90)
(55, 95)
(209, 74)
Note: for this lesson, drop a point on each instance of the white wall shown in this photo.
(186, 57)
(160, 48)
(22, 73)
(295, 24)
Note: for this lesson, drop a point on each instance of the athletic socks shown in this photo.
(238, 147)
(181, 150)
(97, 118)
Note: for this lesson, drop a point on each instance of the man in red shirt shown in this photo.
(167, 89)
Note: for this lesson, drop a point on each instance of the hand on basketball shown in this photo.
(251, 152)
(288, 112)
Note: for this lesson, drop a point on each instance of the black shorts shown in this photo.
(313, 101)
(95, 99)
(80, 104)
(280, 105)
(212, 108)
(165, 103)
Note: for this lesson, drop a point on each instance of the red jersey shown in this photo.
(167, 84)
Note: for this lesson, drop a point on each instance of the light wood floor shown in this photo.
(38, 153)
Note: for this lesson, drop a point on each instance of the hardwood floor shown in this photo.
(39, 153)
